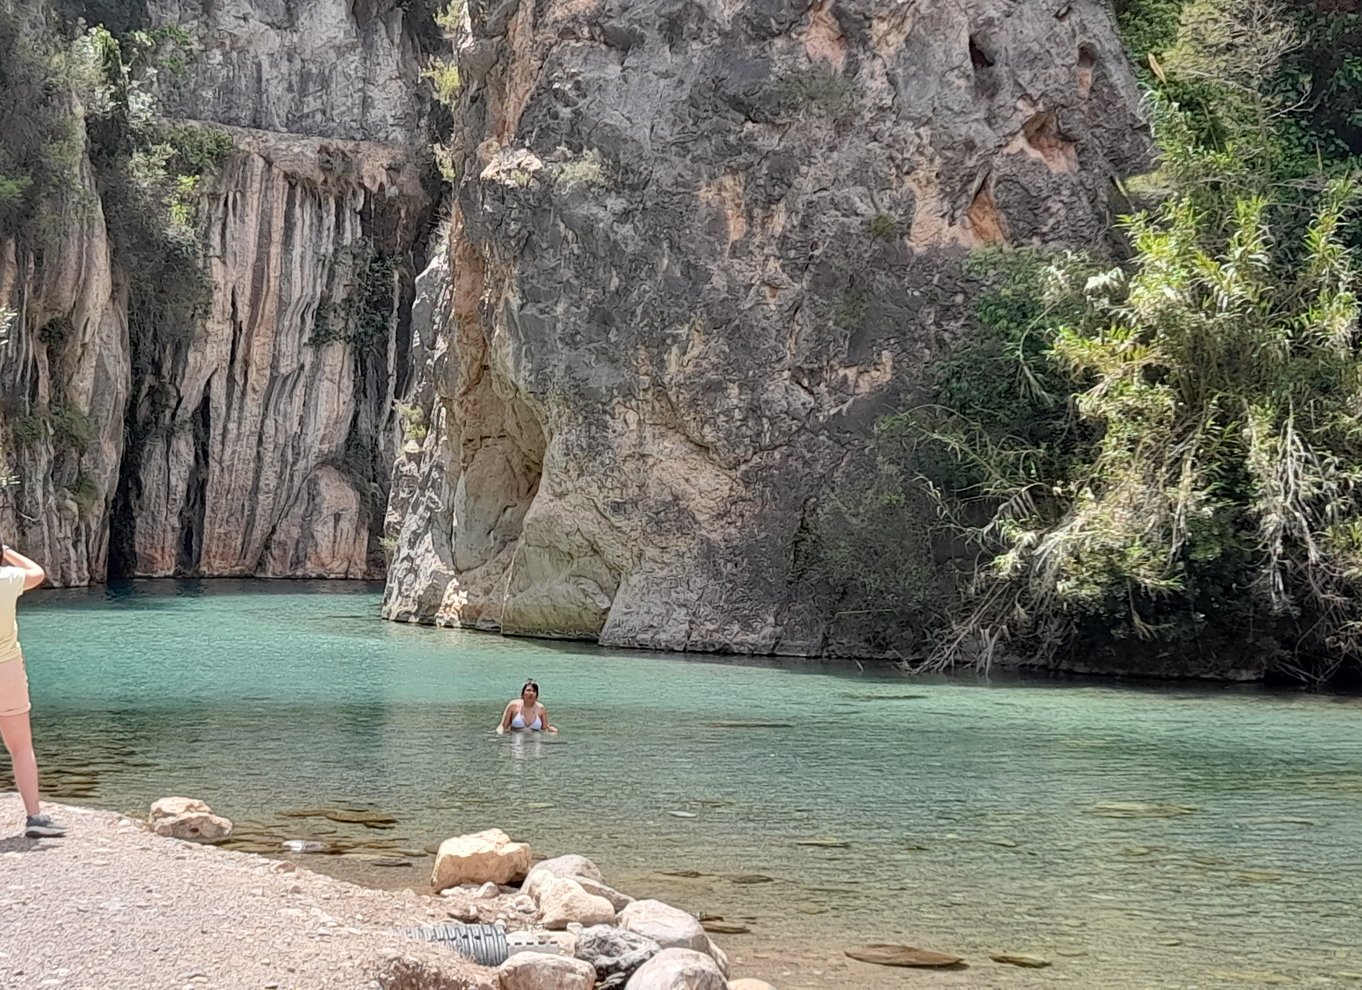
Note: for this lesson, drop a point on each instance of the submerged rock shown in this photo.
(1020, 959)
(903, 955)
(1141, 809)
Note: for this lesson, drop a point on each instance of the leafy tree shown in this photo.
(1195, 466)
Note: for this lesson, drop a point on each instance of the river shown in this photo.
(1165, 836)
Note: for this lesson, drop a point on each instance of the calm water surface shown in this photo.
(1135, 837)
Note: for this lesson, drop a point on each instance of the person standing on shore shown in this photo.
(17, 575)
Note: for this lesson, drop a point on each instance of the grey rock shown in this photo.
(694, 263)
(614, 952)
(246, 449)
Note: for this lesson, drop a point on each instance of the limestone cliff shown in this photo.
(259, 439)
(697, 249)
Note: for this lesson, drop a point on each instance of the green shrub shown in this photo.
(818, 90)
(414, 425)
(359, 307)
(71, 428)
(882, 227)
(85, 493)
(586, 169)
(444, 79)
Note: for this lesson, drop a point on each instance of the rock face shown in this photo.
(696, 251)
(255, 449)
(252, 443)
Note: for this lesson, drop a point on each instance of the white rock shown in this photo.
(559, 866)
(678, 969)
(719, 956)
(187, 818)
(563, 901)
(669, 927)
(617, 900)
(482, 857)
(750, 984)
(173, 807)
(536, 971)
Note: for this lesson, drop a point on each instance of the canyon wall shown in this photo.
(697, 250)
(256, 439)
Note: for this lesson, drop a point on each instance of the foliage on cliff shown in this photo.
(73, 93)
(1162, 455)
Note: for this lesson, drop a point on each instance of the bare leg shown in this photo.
(19, 741)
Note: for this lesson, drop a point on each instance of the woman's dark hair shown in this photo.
(530, 684)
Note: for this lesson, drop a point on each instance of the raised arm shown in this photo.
(33, 573)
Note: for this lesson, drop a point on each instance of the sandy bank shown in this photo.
(113, 907)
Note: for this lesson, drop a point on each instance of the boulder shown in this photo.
(669, 927)
(536, 971)
(578, 867)
(483, 857)
(617, 900)
(614, 951)
(719, 956)
(187, 818)
(562, 901)
(408, 972)
(678, 969)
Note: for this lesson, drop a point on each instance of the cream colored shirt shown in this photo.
(11, 587)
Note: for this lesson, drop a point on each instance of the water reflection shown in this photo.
(525, 745)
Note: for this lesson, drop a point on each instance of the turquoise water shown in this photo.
(1134, 836)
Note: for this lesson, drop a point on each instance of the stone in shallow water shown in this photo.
(717, 926)
(1020, 959)
(903, 955)
(748, 878)
(683, 814)
(880, 697)
(749, 725)
(1141, 809)
(824, 843)
(303, 846)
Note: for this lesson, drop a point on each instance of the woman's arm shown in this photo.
(506, 717)
(544, 712)
(33, 573)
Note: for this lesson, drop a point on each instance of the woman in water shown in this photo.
(17, 575)
(526, 712)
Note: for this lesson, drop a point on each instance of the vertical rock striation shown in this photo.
(697, 249)
(259, 442)
(258, 446)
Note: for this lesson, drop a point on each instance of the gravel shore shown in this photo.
(114, 907)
